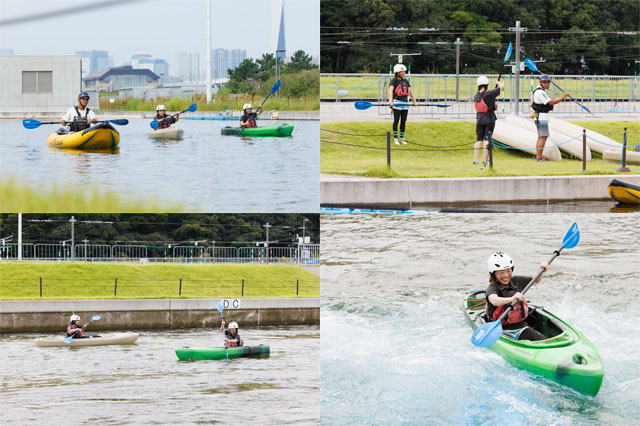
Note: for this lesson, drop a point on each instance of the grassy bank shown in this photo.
(21, 198)
(21, 280)
(413, 160)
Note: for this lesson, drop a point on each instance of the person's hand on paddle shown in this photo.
(222, 327)
(500, 84)
(564, 95)
(518, 296)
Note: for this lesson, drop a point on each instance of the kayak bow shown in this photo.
(188, 353)
(277, 130)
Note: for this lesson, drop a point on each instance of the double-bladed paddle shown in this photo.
(532, 66)
(34, 124)
(490, 332)
(362, 105)
(155, 123)
(220, 309)
(68, 339)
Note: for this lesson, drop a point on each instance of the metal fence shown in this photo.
(304, 254)
(601, 94)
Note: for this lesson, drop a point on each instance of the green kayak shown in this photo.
(187, 352)
(566, 357)
(276, 130)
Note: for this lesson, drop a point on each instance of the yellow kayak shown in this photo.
(100, 136)
(623, 192)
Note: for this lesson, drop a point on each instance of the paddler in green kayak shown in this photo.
(505, 288)
(248, 118)
(231, 336)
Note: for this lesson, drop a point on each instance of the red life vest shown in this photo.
(163, 122)
(230, 344)
(402, 89)
(518, 313)
(70, 331)
(480, 105)
(251, 122)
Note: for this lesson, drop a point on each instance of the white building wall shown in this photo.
(66, 84)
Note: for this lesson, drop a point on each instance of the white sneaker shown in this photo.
(403, 141)
(395, 140)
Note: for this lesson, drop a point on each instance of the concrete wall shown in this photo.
(355, 191)
(53, 315)
(66, 84)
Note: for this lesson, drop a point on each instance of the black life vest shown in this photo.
(402, 89)
(518, 314)
(80, 123)
(539, 107)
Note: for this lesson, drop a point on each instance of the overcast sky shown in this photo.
(159, 27)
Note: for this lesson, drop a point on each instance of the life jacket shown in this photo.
(401, 89)
(251, 121)
(518, 314)
(79, 123)
(71, 332)
(480, 105)
(230, 344)
(539, 107)
(163, 122)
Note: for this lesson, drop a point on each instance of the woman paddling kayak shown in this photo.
(399, 92)
(504, 289)
(248, 118)
(164, 120)
(231, 336)
(74, 329)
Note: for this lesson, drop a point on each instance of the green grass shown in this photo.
(366, 86)
(21, 280)
(21, 198)
(348, 160)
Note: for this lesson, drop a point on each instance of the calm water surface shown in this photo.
(146, 384)
(395, 346)
(204, 172)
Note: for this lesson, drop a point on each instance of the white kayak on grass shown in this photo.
(104, 339)
(595, 141)
(615, 156)
(168, 133)
(564, 142)
(517, 137)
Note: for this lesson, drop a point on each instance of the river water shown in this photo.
(395, 346)
(204, 172)
(146, 384)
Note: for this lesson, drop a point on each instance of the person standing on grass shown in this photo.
(399, 92)
(485, 104)
(542, 104)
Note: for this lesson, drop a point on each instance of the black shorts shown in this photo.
(482, 130)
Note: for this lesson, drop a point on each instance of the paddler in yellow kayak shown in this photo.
(164, 120)
(504, 289)
(80, 117)
(248, 118)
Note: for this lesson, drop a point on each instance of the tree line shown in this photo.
(572, 37)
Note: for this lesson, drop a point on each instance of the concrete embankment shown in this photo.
(360, 191)
(282, 115)
(53, 315)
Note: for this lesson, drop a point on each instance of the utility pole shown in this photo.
(73, 254)
(208, 74)
(266, 244)
(458, 43)
(19, 236)
(85, 241)
(517, 29)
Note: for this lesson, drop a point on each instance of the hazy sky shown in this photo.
(159, 27)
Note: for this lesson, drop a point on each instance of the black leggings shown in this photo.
(397, 115)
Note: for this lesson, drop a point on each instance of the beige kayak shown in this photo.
(615, 156)
(595, 141)
(517, 137)
(168, 133)
(565, 143)
(104, 339)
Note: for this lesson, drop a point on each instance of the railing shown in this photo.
(601, 94)
(304, 254)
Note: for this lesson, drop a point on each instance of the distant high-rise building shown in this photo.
(97, 59)
(158, 66)
(6, 52)
(136, 58)
(188, 64)
(277, 28)
(224, 60)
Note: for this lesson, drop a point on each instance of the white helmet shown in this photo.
(399, 67)
(160, 108)
(482, 80)
(74, 318)
(245, 106)
(499, 261)
(233, 324)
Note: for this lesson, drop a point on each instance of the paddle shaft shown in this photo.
(533, 280)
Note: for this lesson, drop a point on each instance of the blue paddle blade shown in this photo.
(68, 340)
(154, 124)
(96, 318)
(193, 108)
(508, 54)
(220, 306)
(362, 105)
(572, 238)
(119, 121)
(31, 124)
(531, 65)
(276, 86)
(487, 335)
(586, 109)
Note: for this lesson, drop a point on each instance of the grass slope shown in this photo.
(21, 280)
(432, 161)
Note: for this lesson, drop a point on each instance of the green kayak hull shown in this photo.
(187, 352)
(276, 130)
(566, 357)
